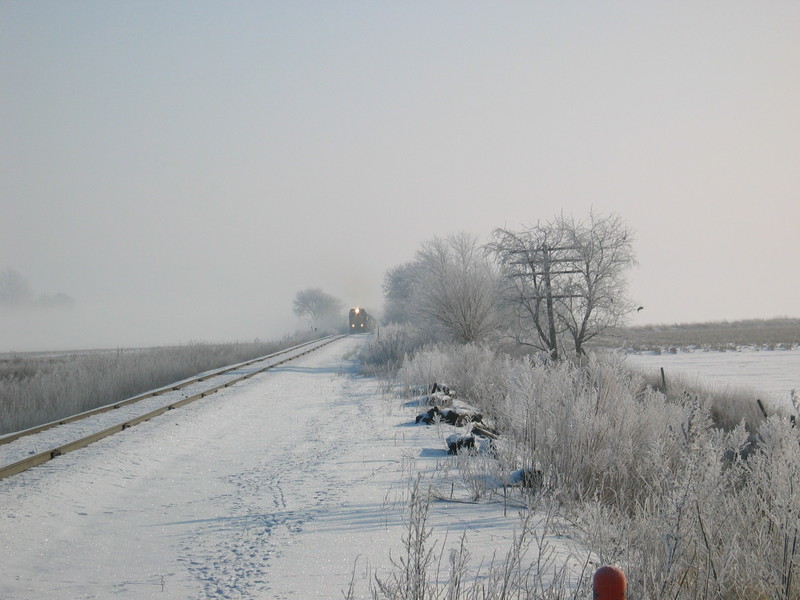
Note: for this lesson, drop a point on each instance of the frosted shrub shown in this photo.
(728, 404)
(385, 351)
(477, 374)
(655, 472)
(767, 504)
(412, 577)
(426, 568)
(689, 509)
(724, 529)
(592, 431)
(693, 518)
(427, 366)
(668, 536)
(474, 371)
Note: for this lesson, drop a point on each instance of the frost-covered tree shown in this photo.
(323, 310)
(14, 289)
(399, 285)
(455, 288)
(16, 292)
(565, 281)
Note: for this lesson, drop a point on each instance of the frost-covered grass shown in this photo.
(653, 483)
(385, 350)
(40, 388)
(728, 404)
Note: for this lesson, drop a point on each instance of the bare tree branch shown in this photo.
(565, 280)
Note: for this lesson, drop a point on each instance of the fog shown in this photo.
(180, 170)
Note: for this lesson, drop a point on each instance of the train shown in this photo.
(360, 320)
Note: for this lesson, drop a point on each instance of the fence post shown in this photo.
(761, 407)
(609, 583)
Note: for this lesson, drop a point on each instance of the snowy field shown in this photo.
(774, 372)
(273, 488)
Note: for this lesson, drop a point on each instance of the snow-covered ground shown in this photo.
(774, 372)
(273, 488)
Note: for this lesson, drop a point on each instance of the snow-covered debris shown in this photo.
(484, 430)
(452, 416)
(458, 442)
(437, 394)
(529, 478)
(442, 388)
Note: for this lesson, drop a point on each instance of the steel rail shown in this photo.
(46, 455)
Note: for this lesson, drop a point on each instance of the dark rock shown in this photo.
(527, 478)
(456, 443)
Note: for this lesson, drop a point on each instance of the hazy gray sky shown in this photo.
(183, 168)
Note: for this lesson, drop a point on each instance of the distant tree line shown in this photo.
(16, 292)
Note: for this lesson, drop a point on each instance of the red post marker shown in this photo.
(609, 583)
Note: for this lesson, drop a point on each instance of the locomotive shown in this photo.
(360, 320)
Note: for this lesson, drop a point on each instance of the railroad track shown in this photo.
(23, 450)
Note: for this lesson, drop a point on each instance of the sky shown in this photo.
(181, 169)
